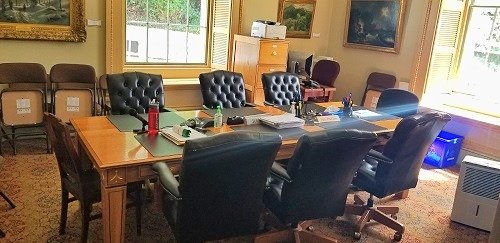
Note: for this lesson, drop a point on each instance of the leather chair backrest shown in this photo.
(326, 72)
(281, 88)
(222, 88)
(134, 90)
(67, 157)
(322, 168)
(407, 149)
(222, 183)
(398, 102)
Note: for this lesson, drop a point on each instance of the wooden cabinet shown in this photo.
(254, 56)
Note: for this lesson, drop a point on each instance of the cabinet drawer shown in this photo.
(273, 53)
(267, 69)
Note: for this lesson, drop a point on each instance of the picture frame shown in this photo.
(58, 20)
(375, 25)
(288, 10)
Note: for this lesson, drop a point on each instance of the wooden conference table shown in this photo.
(120, 159)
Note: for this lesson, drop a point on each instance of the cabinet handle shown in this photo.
(271, 70)
(274, 46)
(274, 53)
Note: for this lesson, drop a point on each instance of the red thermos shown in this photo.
(153, 118)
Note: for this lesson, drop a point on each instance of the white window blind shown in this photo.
(221, 26)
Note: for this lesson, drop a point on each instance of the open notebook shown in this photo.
(178, 139)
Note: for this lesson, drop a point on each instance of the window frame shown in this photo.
(116, 44)
(208, 42)
(444, 91)
(469, 5)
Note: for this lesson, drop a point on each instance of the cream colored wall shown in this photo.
(49, 53)
(357, 64)
(268, 10)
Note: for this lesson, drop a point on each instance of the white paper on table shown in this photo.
(365, 113)
(23, 103)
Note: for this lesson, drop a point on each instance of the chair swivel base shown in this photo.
(385, 215)
(303, 233)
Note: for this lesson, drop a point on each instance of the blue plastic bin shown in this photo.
(444, 150)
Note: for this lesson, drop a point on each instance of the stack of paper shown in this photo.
(286, 120)
(179, 139)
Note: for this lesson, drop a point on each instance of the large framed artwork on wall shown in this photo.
(61, 20)
(375, 24)
(298, 16)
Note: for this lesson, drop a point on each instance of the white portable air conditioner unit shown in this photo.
(476, 198)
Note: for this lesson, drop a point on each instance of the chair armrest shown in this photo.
(280, 172)
(268, 103)
(250, 105)
(378, 156)
(167, 179)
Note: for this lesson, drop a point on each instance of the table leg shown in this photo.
(113, 212)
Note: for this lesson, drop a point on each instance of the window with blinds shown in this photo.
(177, 32)
(465, 60)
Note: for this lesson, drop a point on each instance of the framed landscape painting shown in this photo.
(298, 16)
(375, 25)
(43, 20)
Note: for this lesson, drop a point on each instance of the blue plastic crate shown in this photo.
(444, 150)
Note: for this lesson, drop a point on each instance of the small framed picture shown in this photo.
(297, 16)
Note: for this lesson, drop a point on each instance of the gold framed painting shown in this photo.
(375, 25)
(61, 20)
(297, 16)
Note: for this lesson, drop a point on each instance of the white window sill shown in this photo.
(441, 102)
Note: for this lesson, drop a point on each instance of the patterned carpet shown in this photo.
(31, 180)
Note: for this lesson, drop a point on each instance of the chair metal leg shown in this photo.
(11, 204)
(14, 140)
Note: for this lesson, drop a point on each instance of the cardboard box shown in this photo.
(268, 31)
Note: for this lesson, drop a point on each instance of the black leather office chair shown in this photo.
(317, 177)
(396, 169)
(280, 88)
(398, 102)
(221, 185)
(134, 90)
(223, 88)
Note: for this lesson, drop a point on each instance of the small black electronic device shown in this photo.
(235, 120)
(198, 122)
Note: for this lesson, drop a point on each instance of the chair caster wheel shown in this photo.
(357, 235)
(398, 236)
(310, 228)
(393, 216)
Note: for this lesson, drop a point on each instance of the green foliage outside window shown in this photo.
(177, 13)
